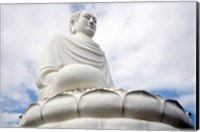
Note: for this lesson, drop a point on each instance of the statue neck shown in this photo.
(82, 36)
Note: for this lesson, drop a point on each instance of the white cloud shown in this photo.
(10, 119)
(152, 44)
(26, 29)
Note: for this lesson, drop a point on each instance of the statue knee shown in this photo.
(78, 76)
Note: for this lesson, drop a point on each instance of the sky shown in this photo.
(148, 45)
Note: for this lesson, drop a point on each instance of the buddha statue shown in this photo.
(75, 61)
(76, 90)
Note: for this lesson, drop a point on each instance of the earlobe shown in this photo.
(73, 30)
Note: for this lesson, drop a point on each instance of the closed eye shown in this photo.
(87, 17)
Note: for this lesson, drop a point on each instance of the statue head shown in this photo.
(83, 21)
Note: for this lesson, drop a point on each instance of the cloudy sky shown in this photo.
(148, 45)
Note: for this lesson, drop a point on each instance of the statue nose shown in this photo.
(91, 22)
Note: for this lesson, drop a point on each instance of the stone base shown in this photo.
(109, 123)
(107, 108)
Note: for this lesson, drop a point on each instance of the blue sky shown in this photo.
(149, 46)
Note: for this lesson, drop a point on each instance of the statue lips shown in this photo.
(91, 26)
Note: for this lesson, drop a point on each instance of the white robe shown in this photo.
(64, 51)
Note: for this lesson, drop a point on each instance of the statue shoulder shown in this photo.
(58, 37)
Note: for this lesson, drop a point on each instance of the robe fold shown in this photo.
(63, 51)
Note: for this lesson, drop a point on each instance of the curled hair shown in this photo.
(74, 18)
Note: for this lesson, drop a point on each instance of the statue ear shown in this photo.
(73, 29)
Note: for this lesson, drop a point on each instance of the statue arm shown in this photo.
(50, 62)
(45, 75)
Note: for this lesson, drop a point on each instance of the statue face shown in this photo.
(86, 24)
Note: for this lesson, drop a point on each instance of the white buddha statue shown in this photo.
(74, 82)
(74, 62)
